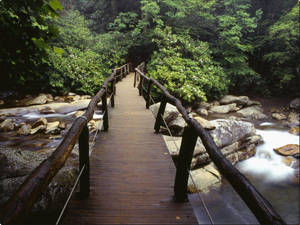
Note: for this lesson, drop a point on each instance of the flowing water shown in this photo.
(271, 176)
(267, 172)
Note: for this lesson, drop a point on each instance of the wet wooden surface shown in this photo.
(132, 174)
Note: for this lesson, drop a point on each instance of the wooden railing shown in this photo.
(29, 192)
(260, 207)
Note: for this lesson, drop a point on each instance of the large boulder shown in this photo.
(235, 152)
(39, 100)
(278, 116)
(203, 179)
(7, 125)
(293, 119)
(230, 131)
(204, 123)
(16, 165)
(239, 100)
(172, 117)
(170, 113)
(223, 109)
(253, 112)
(295, 104)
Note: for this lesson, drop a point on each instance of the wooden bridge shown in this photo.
(129, 177)
(132, 174)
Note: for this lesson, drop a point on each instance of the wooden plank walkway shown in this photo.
(132, 175)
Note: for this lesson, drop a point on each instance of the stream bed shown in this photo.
(267, 172)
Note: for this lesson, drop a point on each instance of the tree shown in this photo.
(25, 29)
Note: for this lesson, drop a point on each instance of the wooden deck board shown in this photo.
(132, 175)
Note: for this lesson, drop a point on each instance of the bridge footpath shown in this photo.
(131, 172)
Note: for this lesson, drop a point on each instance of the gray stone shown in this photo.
(205, 123)
(223, 109)
(230, 131)
(239, 100)
(53, 128)
(278, 116)
(295, 104)
(39, 100)
(170, 113)
(293, 118)
(1, 102)
(204, 179)
(7, 125)
(253, 112)
(25, 129)
(202, 112)
(177, 125)
(16, 165)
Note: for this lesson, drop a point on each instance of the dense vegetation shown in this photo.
(200, 49)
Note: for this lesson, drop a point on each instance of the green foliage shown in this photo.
(185, 67)
(76, 70)
(284, 55)
(25, 29)
(74, 66)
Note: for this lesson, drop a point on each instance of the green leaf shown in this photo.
(57, 50)
(55, 5)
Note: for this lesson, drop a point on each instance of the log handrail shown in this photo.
(30, 190)
(260, 207)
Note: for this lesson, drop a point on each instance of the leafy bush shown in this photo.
(185, 67)
(76, 70)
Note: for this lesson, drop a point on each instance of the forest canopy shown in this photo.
(199, 49)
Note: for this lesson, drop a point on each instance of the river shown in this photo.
(267, 173)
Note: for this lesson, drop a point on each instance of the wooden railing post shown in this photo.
(112, 90)
(188, 143)
(160, 114)
(149, 94)
(105, 112)
(84, 161)
(141, 85)
(134, 84)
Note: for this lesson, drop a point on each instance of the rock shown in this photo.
(214, 103)
(37, 129)
(73, 98)
(47, 110)
(293, 118)
(41, 121)
(204, 178)
(239, 100)
(1, 102)
(278, 116)
(230, 131)
(172, 117)
(177, 125)
(253, 112)
(202, 112)
(7, 125)
(52, 128)
(205, 123)
(16, 165)
(294, 130)
(295, 104)
(288, 161)
(252, 103)
(59, 99)
(79, 113)
(223, 109)
(24, 129)
(173, 144)
(234, 153)
(170, 113)
(288, 150)
(49, 98)
(85, 97)
(39, 100)
(71, 94)
(62, 125)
